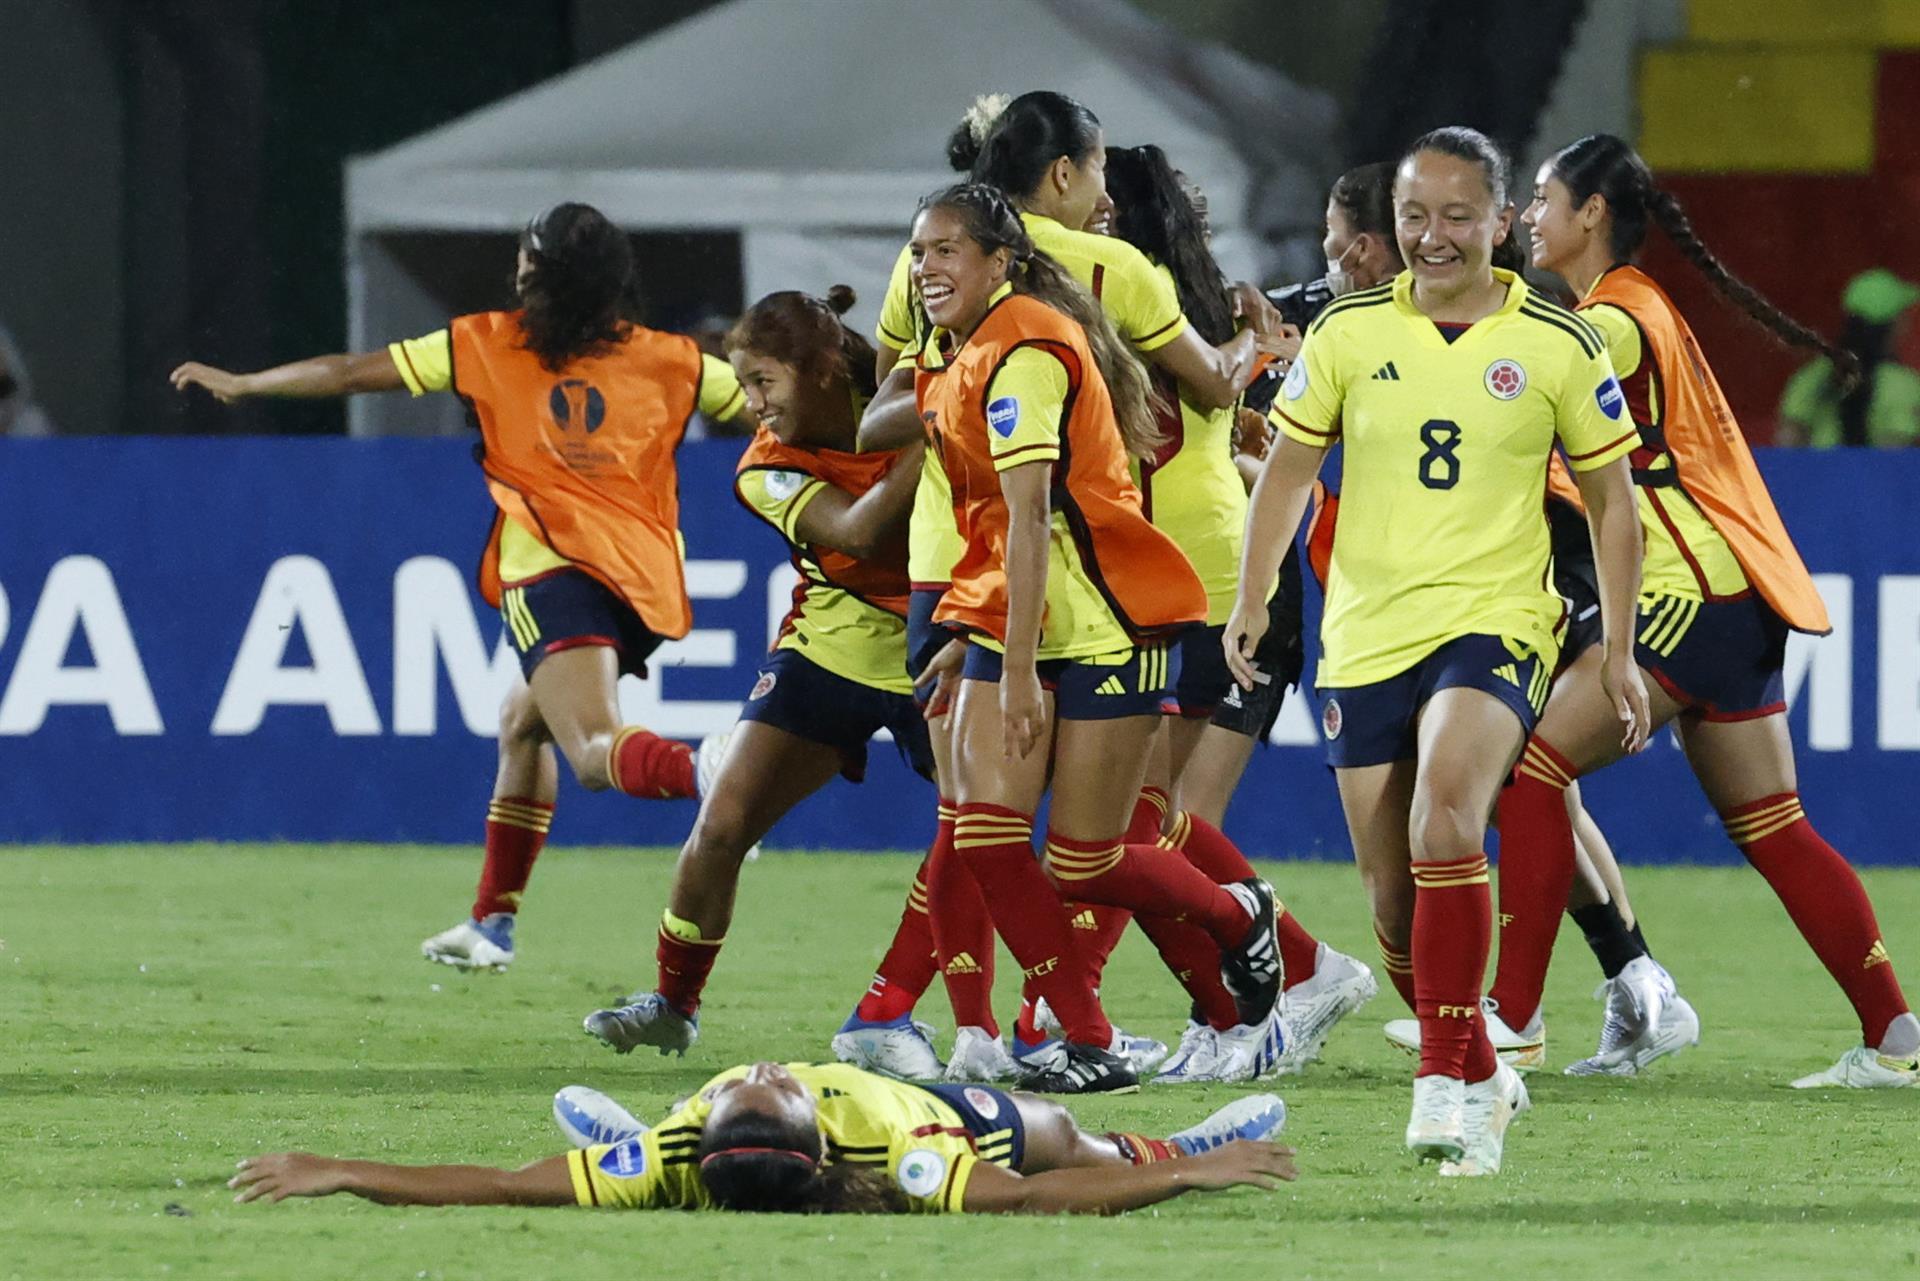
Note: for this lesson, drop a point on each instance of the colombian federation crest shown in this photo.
(982, 1102)
(1332, 721)
(762, 687)
(1505, 379)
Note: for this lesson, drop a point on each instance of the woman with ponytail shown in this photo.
(837, 672)
(1721, 587)
(807, 1139)
(583, 561)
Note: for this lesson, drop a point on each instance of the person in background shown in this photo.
(1882, 408)
(19, 415)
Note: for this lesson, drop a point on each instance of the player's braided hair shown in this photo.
(1605, 165)
(763, 1164)
(1028, 135)
(1153, 213)
(990, 222)
(806, 332)
(581, 293)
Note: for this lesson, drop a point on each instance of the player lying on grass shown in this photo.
(806, 1139)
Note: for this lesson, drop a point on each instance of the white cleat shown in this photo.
(979, 1057)
(646, 1020)
(590, 1119)
(1646, 1020)
(706, 767)
(1193, 1059)
(1862, 1068)
(899, 1048)
(1491, 1106)
(1523, 1051)
(1255, 1117)
(1437, 1129)
(1309, 1010)
(474, 945)
(1249, 1052)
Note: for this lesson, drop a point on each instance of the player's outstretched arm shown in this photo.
(317, 377)
(1110, 1189)
(279, 1175)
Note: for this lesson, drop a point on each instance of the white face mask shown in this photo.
(1339, 280)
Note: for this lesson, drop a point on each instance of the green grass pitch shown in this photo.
(168, 1010)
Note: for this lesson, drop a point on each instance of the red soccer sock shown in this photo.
(1536, 875)
(1097, 929)
(1194, 959)
(997, 845)
(643, 764)
(516, 832)
(1149, 879)
(1399, 968)
(1149, 814)
(1141, 1150)
(908, 966)
(1452, 932)
(684, 961)
(962, 931)
(1213, 852)
(1828, 904)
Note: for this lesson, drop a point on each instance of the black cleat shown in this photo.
(1066, 1067)
(1252, 971)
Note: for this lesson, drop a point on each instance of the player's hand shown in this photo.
(226, 387)
(1282, 343)
(1627, 691)
(1255, 309)
(1240, 638)
(1252, 433)
(279, 1175)
(1242, 1163)
(1023, 710)
(943, 673)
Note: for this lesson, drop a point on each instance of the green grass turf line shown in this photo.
(167, 1010)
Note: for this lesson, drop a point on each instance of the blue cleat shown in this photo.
(1256, 1116)
(647, 1021)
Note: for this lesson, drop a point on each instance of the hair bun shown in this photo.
(963, 144)
(841, 299)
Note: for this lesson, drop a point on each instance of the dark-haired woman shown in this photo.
(1071, 603)
(583, 561)
(1882, 407)
(1721, 587)
(837, 671)
(1448, 390)
(810, 1139)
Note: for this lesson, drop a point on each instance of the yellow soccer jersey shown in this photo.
(1442, 529)
(1676, 534)
(834, 628)
(1029, 394)
(909, 1133)
(426, 364)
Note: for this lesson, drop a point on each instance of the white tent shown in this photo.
(811, 127)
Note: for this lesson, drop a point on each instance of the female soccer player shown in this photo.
(580, 409)
(808, 1139)
(1060, 572)
(1448, 389)
(837, 673)
(1722, 586)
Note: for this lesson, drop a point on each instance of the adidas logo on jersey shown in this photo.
(1386, 374)
(1084, 921)
(963, 963)
(1111, 685)
(1876, 955)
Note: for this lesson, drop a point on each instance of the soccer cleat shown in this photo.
(1142, 1053)
(1437, 1130)
(706, 767)
(1523, 1051)
(1193, 1059)
(1491, 1106)
(1253, 1116)
(1310, 1009)
(1066, 1067)
(1249, 1052)
(898, 1048)
(1645, 1020)
(979, 1057)
(485, 944)
(1863, 1068)
(1252, 970)
(589, 1118)
(648, 1020)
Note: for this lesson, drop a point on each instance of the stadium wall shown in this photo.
(256, 639)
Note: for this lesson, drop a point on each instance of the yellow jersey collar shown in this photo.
(1516, 294)
(934, 354)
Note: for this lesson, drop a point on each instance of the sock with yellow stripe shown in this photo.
(643, 764)
(1098, 927)
(996, 845)
(1399, 967)
(684, 958)
(1141, 1150)
(962, 931)
(1193, 958)
(1536, 875)
(1149, 879)
(1828, 904)
(1452, 932)
(908, 966)
(516, 832)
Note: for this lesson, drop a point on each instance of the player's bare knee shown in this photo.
(1441, 830)
(721, 837)
(591, 760)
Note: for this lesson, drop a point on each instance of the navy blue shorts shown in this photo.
(992, 1120)
(1722, 659)
(925, 638)
(1576, 579)
(797, 695)
(1278, 661)
(1101, 687)
(567, 609)
(1377, 724)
